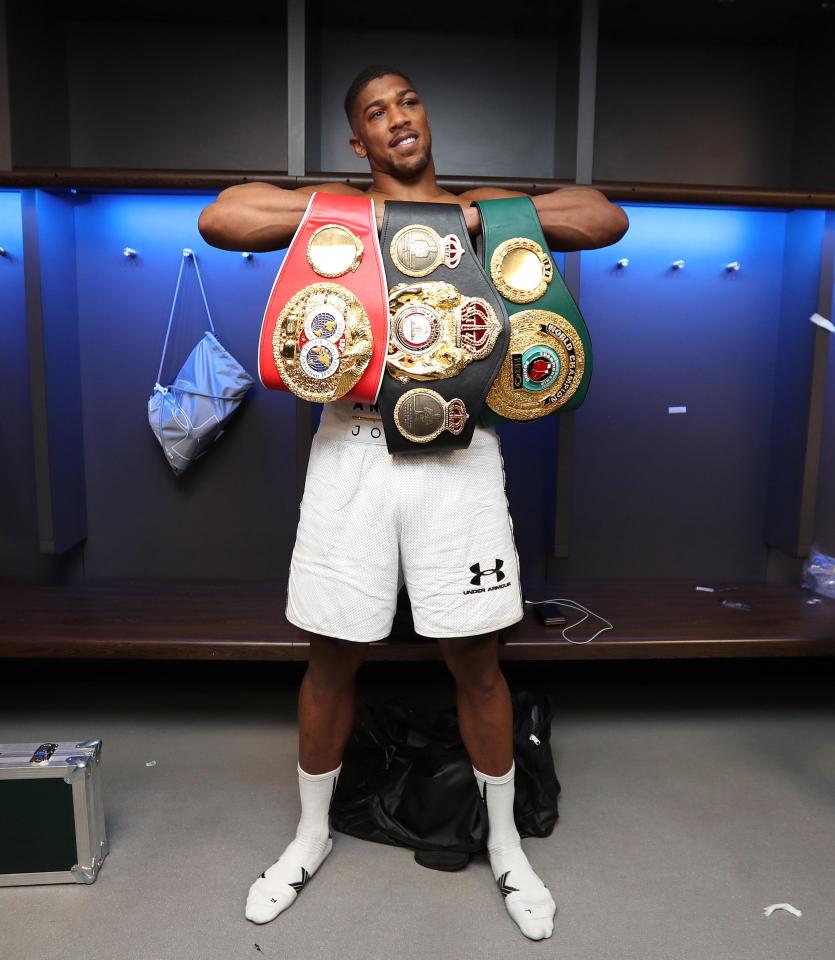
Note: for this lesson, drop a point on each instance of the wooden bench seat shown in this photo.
(244, 620)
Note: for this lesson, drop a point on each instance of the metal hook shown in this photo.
(188, 252)
(2, 251)
(623, 262)
(246, 255)
(678, 264)
(129, 252)
(733, 265)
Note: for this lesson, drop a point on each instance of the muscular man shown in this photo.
(419, 518)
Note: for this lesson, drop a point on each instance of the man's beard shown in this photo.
(413, 166)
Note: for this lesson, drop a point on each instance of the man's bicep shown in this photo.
(344, 188)
(490, 193)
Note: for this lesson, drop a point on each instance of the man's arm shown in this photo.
(258, 216)
(573, 218)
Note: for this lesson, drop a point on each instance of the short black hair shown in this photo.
(361, 81)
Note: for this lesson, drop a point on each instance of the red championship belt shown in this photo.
(326, 327)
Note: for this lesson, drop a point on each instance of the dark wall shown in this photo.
(491, 100)
(814, 133)
(190, 95)
(684, 113)
(37, 65)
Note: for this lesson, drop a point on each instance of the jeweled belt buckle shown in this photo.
(436, 332)
(543, 367)
(322, 342)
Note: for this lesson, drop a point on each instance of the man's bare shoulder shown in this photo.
(490, 193)
(344, 188)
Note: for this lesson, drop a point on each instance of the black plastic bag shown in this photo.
(407, 780)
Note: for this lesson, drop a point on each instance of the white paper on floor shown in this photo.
(782, 906)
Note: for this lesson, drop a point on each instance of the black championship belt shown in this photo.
(448, 328)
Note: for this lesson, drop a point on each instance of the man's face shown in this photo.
(391, 128)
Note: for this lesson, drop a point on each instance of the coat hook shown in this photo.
(129, 252)
(188, 252)
(246, 255)
(733, 265)
(623, 262)
(678, 264)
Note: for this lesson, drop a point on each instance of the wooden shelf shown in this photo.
(147, 619)
(203, 180)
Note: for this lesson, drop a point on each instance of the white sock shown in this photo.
(279, 885)
(526, 897)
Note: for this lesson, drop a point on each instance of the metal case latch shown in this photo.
(43, 753)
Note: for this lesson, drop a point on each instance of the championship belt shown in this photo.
(448, 329)
(549, 360)
(325, 329)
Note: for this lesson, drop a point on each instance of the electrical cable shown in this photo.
(574, 605)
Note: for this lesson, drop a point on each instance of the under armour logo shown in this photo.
(479, 573)
(504, 885)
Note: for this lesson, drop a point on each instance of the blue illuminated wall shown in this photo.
(232, 515)
(678, 494)
(18, 509)
(825, 514)
(654, 493)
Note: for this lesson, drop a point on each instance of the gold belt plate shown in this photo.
(543, 367)
(333, 250)
(322, 342)
(417, 250)
(422, 414)
(521, 270)
(435, 331)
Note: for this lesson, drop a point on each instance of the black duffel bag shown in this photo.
(407, 780)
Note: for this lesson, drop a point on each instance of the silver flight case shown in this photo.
(52, 827)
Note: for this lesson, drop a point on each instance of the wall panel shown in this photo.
(686, 113)
(233, 513)
(19, 553)
(198, 96)
(491, 100)
(680, 495)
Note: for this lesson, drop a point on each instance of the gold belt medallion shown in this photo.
(333, 250)
(322, 342)
(542, 369)
(422, 414)
(417, 250)
(436, 332)
(521, 270)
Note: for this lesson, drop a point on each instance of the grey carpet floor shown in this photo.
(694, 795)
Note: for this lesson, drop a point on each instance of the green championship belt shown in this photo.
(549, 359)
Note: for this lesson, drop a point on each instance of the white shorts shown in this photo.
(371, 521)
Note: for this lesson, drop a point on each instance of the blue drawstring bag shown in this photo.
(191, 413)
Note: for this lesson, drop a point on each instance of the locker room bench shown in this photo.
(244, 620)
